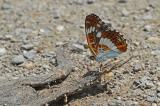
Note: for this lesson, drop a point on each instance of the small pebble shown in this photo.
(147, 9)
(44, 31)
(147, 17)
(49, 54)
(90, 1)
(155, 52)
(60, 28)
(125, 13)
(116, 103)
(137, 67)
(131, 103)
(27, 46)
(60, 44)
(143, 83)
(149, 84)
(6, 6)
(2, 51)
(147, 28)
(122, 1)
(79, 2)
(152, 98)
(158, 89)
(28, 65)
(46, 67)
(56, 14)
(53, 61)
(158, 95)
(136, 43)
(29, 55)
(77, 47)
(154, 39)
(154, 104)
(19, 59)
(8, 37)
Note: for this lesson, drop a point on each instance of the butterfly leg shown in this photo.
(101, 66)
(118, 65)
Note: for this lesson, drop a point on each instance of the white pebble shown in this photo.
(2, 51)
(60, 28)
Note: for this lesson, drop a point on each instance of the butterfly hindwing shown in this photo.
(114, 40)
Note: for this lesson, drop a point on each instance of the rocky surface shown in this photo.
(41, 38)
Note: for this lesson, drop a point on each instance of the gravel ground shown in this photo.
(32, 30)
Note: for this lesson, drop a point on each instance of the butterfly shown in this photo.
(103, 41)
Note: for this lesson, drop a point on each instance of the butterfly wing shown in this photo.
(114, 42)
(93, 25)
(103, 42)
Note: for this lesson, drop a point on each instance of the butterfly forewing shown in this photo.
(92, 25)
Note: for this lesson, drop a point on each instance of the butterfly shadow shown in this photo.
(88, 90)
(90, 85)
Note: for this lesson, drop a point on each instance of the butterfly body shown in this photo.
(103, 42)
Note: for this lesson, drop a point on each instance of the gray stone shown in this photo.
(125, 13)
(146, 82)
(60, 28)
(152, 96)
(152, 99)
(60, 44)
(44, 31)
(122, 1)
(8, 37)
(154, 104)
(147, 17)
(56, 14)
(19, 59)
(53, 61)
(90, 1)
(2, 51)
(158, 95)
(137, 67)
(27, 46)
(147, 28)
(149, 84)
(29, 55)
(22, 32)
(77, 47)
(143, 83)
(79, 2)
(6, 6)
(155, 52)
(147, 9)
(137, 92)
(158, 89)
(46, 67)
(50, 54)
(116, 103)
(131, 103)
